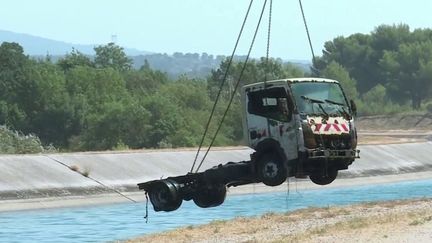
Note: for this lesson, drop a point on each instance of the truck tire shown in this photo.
(270, 169)
(322, 180)
(210, 196)
(165, 196)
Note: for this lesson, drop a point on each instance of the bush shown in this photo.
(429, 108)
(12, 142)
(376, 102)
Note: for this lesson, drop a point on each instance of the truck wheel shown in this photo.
(210, 196)
(271, 170)
(322, 180)
(165, 196)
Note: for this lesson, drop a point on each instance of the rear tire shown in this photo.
(165, 196)
(270, 169)
(322, 180)
(210, 196)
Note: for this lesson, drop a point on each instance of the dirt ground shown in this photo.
(394, 221)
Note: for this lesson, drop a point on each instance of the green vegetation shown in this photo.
(15, 143)
(391, 68)
(79, 103)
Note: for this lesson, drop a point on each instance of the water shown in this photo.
(122, 221)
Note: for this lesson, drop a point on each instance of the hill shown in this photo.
(39, 46)
(193, 65)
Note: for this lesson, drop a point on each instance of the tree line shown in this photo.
(78, 104)
(391, 67)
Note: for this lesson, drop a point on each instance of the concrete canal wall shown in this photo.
(30, 176)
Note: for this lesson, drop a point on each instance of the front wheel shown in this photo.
(321, 179)
(271, 170)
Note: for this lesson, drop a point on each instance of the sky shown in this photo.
(211, 26)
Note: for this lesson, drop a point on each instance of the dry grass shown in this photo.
(385, 220)
(74, 168)
(85, 172)
(420, 221)
(304, 225)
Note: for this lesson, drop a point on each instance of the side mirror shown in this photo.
(353, 107)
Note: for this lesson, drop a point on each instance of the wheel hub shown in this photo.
(270, 170)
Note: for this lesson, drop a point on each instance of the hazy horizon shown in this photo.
(168, 26)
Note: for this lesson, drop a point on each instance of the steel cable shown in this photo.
(236, 86)
(308, 35)
(221, 86)
(93, 179)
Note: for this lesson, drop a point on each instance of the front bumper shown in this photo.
(333, 154)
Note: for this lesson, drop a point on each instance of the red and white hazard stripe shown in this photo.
(334, 125)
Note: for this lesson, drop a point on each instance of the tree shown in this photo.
(335, 71)
(360, 54)
(255, 71)
(90, 90)
(408, 68)
(49, 110)
(74, 59)
(95, 86)
(14, 85)
(390, 37)
(118, 122)
(144, 81)
(374, 101)
(113, 56)
(33, 96)
(166, 120)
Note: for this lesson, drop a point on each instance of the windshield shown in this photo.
(319, 97)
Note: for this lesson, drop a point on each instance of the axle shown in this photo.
(206, 189)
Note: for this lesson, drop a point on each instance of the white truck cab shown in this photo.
(299, 127)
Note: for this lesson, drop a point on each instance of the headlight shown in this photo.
(308, 136)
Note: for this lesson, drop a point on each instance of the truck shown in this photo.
(298, 127)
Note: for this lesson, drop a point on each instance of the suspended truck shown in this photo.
(298, 127)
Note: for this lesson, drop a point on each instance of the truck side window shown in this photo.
(271, 103)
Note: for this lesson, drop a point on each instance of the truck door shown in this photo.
(270, 115)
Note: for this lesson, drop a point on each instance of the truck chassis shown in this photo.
(209, 188)
(206, 189)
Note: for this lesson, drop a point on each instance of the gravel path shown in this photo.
(394, 221)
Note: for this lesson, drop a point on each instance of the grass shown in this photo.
(86, 172)
(421, 221)
(74, 168)
(356, 224)
(317, 223)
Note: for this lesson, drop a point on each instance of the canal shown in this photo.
(126, 220)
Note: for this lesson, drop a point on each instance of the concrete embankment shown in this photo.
(395, 122)
(35, 176)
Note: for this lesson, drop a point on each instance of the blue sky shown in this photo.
(210, 26)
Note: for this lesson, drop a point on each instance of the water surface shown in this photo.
(126, 220)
